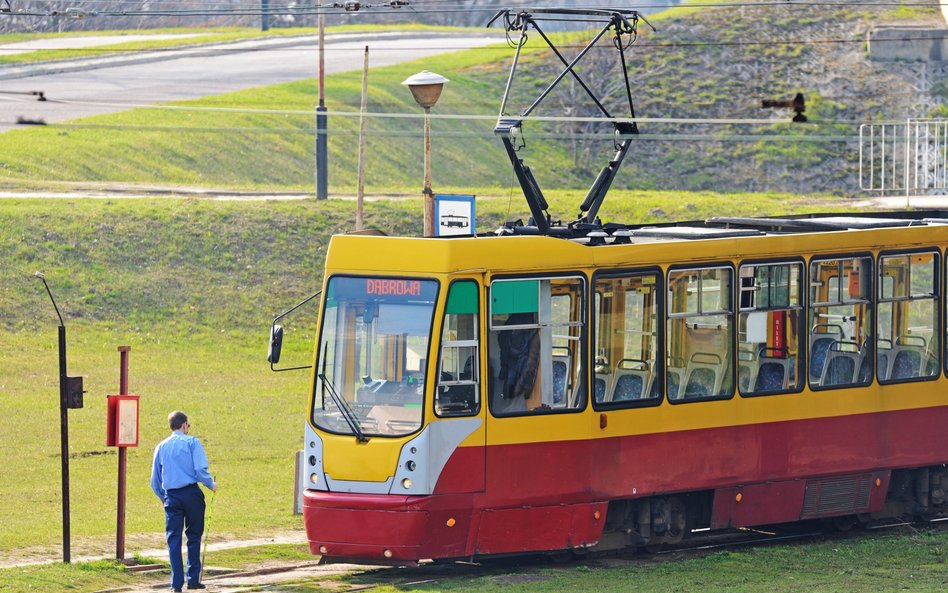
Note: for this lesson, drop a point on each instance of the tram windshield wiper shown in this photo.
(345, 410)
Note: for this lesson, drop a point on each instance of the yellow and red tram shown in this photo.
(477, 396)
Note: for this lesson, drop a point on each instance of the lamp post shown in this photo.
(322, 150)
(426, 87)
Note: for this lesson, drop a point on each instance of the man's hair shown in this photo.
(177, 419)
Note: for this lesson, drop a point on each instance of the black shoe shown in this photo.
(176, 589)
(197, 586)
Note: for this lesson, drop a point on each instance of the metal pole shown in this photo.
(362, 124)
(64, 440)
(122, 451)
(429, 196)
(264, 15)
(322, 152)
(63, 419)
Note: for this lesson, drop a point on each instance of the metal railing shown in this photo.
(909, 158)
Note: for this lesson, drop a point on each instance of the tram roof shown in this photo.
(726, 237)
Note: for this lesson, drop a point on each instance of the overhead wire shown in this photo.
(549, 119)
(439, 116)
(337, 8)
(794, 137)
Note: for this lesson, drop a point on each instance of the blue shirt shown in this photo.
(179, 461)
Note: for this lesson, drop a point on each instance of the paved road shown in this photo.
(20, 47)
(80, 88)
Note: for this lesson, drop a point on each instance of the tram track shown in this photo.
(367, 578)
(518, 568)
(750, 537)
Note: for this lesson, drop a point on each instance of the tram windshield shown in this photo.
(371, 361)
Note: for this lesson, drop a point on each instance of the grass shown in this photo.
(870, 563)
(192, 285)
(77, 577)
(212, 145)
(263, 138)
(96, 575)
(912, 561)
(196, 36)
(260, 556)
(250, 421)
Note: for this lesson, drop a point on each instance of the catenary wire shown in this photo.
(444, 116)
(328, 10)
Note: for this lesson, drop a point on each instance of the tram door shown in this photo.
(536, 452)
(459, 413)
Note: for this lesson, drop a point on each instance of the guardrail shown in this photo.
(909, 158)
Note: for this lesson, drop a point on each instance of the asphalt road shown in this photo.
(79, 88)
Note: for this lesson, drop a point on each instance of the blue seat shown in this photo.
(628, 387)
(600, 389)
(701, 383)
(906, 365)
(818, 349)
(771, 376)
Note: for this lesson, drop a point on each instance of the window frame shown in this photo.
(314, 381)
(659, 341)
(938, 298)
(810, 306)
(583, 339)
(801, 330)
(476, 368)
(731, 368)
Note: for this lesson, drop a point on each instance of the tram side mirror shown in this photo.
(276, 344)
(278, 330)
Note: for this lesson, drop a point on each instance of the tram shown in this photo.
(565, 388)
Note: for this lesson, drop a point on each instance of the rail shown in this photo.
(909, 158)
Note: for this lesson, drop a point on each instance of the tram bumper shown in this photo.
(386, 529)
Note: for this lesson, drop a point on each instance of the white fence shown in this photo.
(908, 158)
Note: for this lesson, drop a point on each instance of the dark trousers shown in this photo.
(184, 511)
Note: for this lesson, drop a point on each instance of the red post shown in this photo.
(120, 526)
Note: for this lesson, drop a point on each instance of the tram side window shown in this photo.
(458, 392)
(771, 315)
(627, 363)
(907, 346)
(699, 336)
(535, 345)
(840, 322)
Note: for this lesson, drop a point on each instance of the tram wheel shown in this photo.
(678, 525)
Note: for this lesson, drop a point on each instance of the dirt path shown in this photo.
(146, 545)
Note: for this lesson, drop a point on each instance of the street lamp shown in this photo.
(426, 88)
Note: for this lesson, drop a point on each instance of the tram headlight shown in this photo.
(410, 465)
(314, 478)
(312, 460)
(406, 483)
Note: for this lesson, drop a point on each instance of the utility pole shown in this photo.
(360, 194)
(322, 152)
(264, 15)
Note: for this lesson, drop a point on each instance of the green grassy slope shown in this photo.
(191, 285)
(188, 265)
(717, 62)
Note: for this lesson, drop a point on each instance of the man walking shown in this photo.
(179, 465)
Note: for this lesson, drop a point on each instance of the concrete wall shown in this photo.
(908, 43)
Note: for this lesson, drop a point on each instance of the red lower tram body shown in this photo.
(649, 489)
